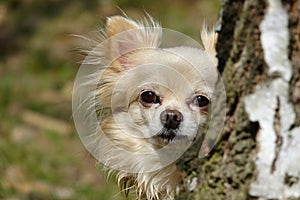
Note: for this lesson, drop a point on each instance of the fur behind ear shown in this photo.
(209, 40)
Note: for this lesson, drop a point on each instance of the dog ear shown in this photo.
(209, 40)
(118, 24)
(126, 36)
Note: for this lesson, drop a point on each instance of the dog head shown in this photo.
(156, 94)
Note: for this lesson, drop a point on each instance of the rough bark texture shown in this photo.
(230, 170)
(293, 7)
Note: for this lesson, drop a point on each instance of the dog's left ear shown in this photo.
(209, 40)
(126, 36)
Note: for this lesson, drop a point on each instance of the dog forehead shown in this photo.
(191, 64)
(198, 58)
(180, 58)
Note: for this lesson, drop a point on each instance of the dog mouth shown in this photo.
(167, 135)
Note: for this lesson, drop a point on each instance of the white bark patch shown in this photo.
(278, 157)
(275, 40)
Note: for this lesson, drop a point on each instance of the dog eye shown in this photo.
(149, 97)
(201, 101)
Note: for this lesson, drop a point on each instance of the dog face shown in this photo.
(146, 97)
(160, 95)
(164, 94)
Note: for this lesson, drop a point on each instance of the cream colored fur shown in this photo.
(133, 155)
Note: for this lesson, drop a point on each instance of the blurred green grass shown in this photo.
(37, 70)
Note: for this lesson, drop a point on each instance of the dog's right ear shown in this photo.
(118, 24)
(126, 36)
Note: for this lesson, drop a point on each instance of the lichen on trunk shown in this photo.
(277, 158)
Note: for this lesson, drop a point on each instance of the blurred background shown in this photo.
(41, 156)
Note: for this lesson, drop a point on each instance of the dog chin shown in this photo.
(167, 135)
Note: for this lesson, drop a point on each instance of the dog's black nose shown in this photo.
(171, 118)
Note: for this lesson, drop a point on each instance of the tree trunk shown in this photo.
(258, 154)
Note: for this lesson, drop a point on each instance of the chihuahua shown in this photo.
(151, 103)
